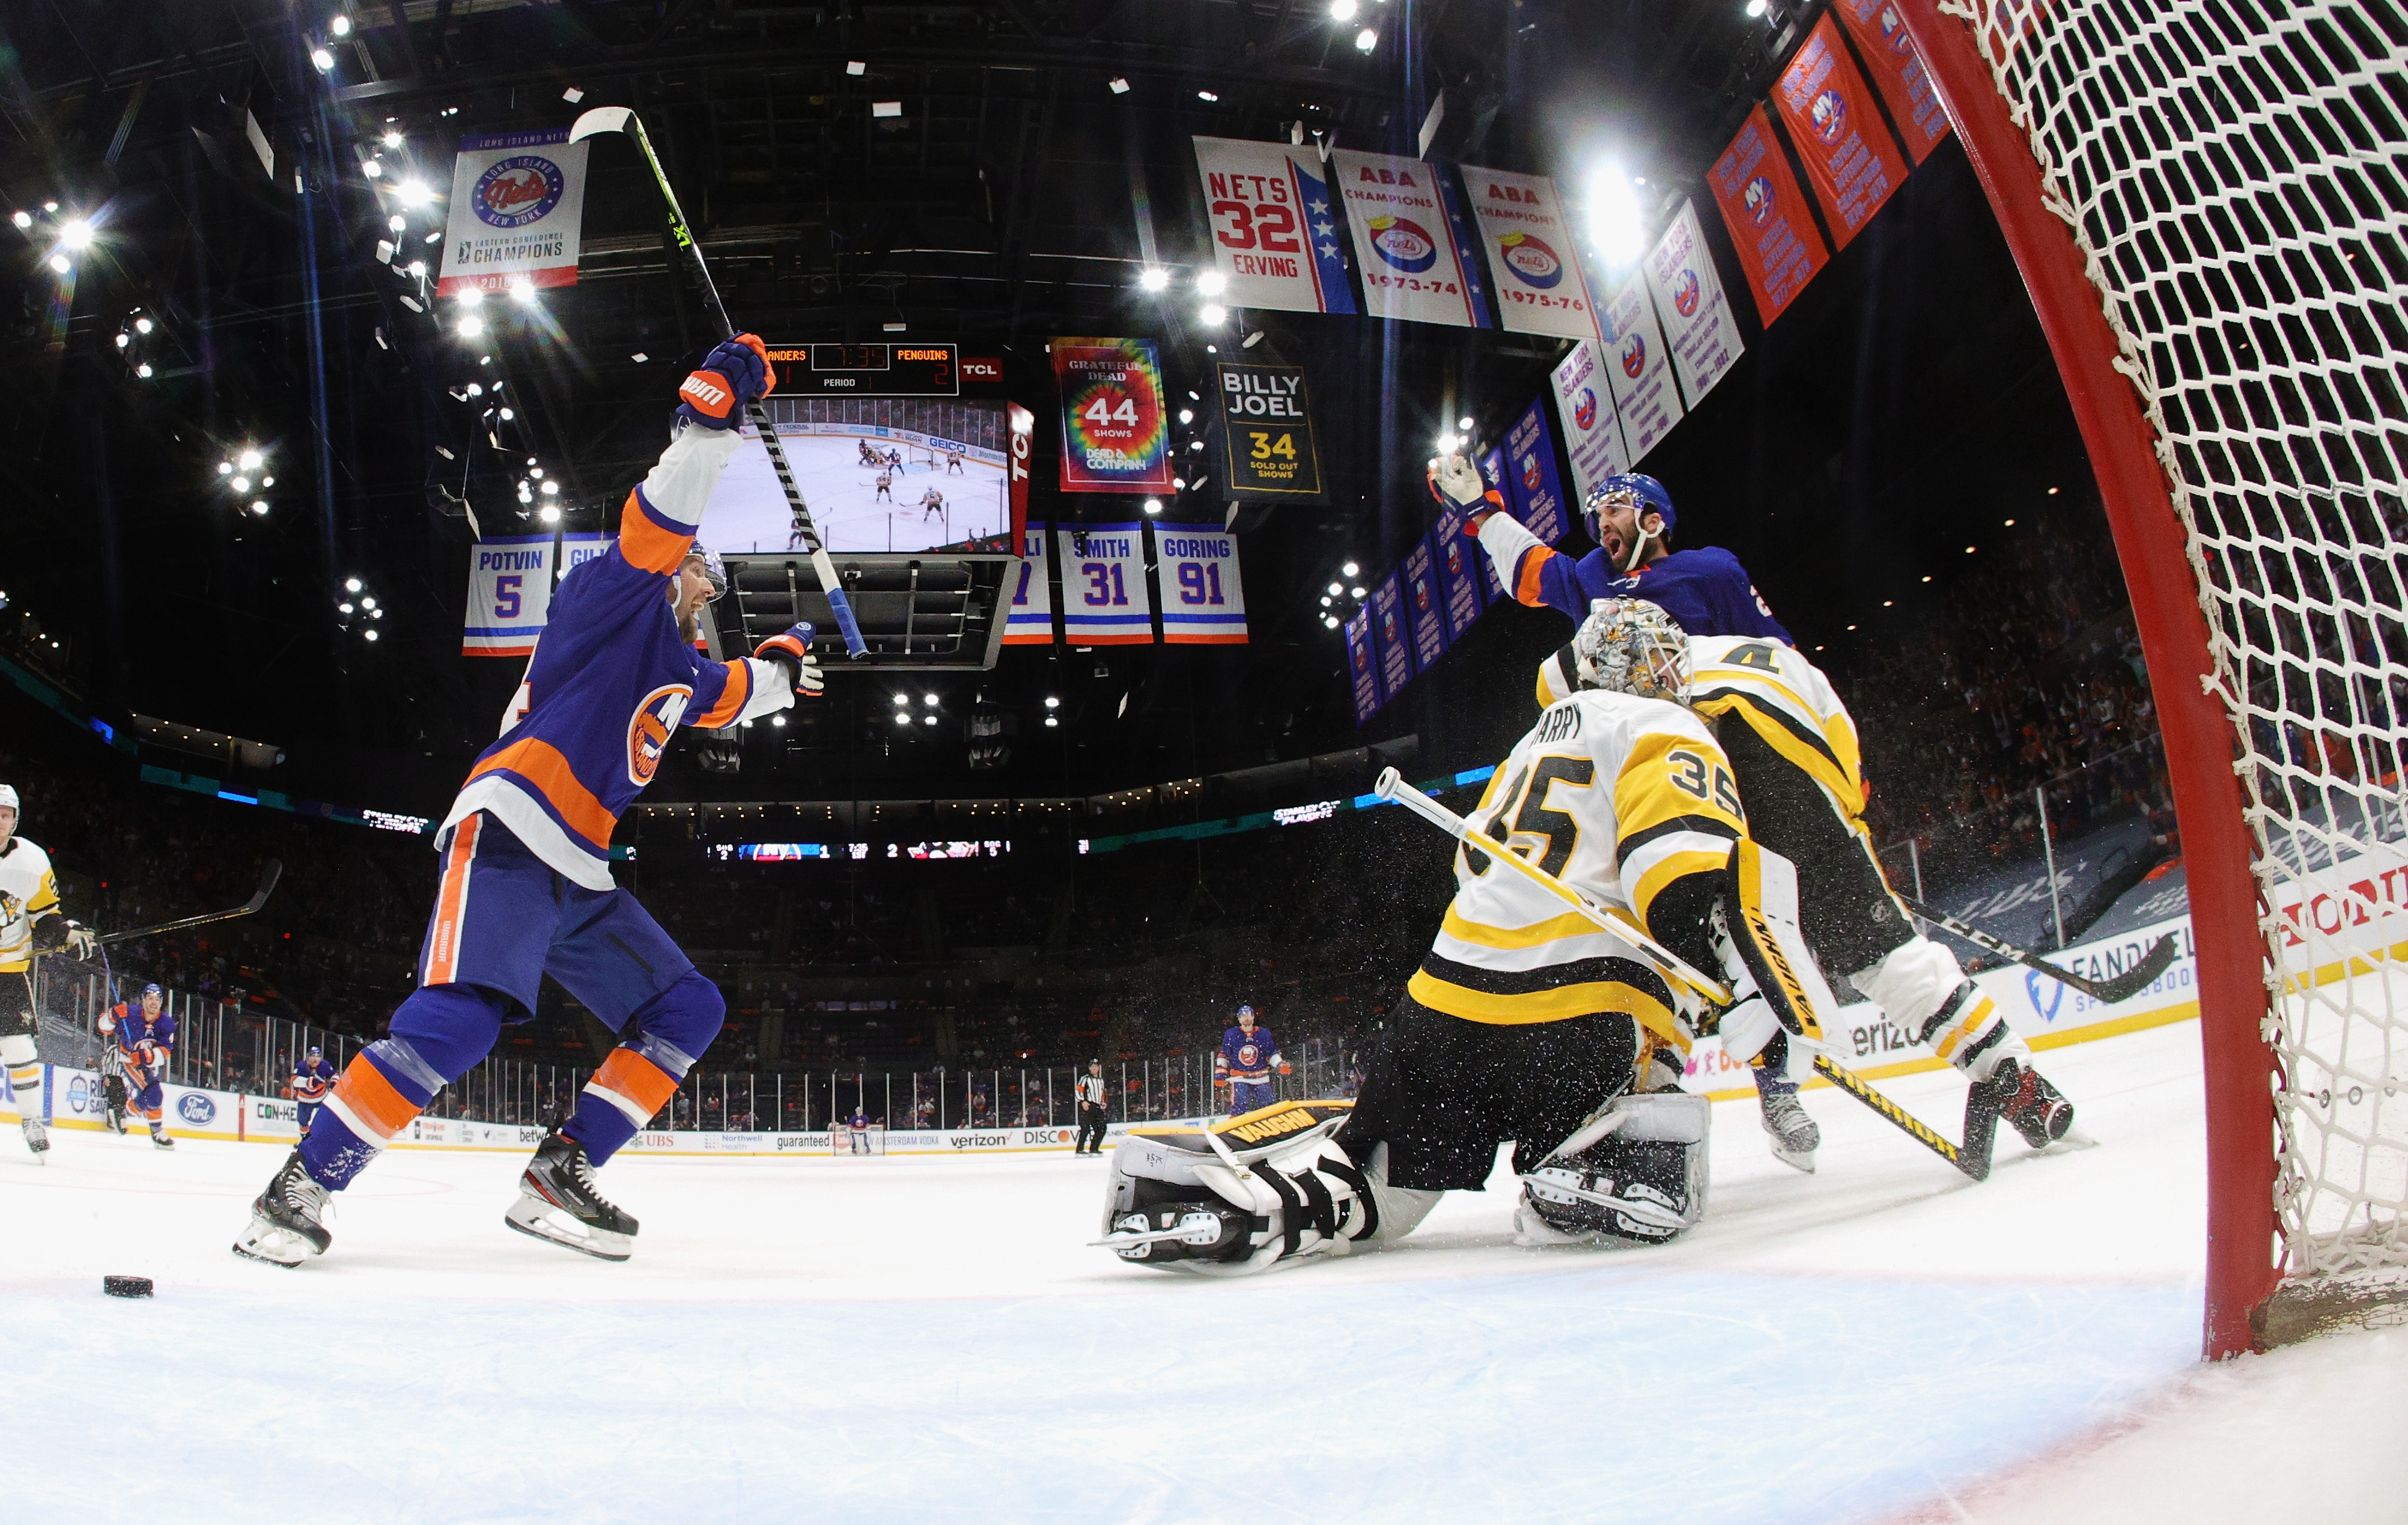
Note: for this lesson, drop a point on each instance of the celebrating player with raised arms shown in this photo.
(30, 924)
(525, 886)
(146, 1035)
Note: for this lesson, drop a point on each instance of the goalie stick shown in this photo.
(267, 879)
(615, 119)
(1973, 1157)
(2123, 986)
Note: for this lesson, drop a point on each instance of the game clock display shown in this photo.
(868, 370)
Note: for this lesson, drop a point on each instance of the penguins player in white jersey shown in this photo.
(30, 924)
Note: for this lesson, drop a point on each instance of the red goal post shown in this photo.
(2205, 203)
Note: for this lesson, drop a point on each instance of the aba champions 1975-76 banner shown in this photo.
(1115, 435)
(1592, 426)
(1540, 287)
(1850, 157)
(1203, 600)
(1898, 71)
(1105, 599)
(518, 203)
(509, 589)
(1275, 226)
(1642, 373)
(1028, 619)
(1762, 207)
(1411, 269)
(1697, 316)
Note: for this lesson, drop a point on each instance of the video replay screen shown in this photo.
(905, 474)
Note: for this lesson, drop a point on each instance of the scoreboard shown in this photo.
(867, 370)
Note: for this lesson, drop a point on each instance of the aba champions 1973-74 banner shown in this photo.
(1778, 245)
(1275, 226)
(1897, 72)
(1105, 599)
(1028, 619)
(1540, 287)
(1116, 434)
(1411, 269)
(1270, 453)
(518, 205)
(1592, 426)
(1642, 373)
(1697, 316)
(509, 589)
(1850, 157)
(1203, 600)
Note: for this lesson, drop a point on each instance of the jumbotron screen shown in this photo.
(907, 474)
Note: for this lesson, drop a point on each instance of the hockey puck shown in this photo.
(126, 1285)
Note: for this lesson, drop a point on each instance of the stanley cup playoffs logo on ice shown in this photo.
(1115, 437)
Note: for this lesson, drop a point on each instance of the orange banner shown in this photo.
(1850, 157)
(1890, 57)
(1767, 216)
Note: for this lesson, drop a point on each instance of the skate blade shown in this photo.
(534, 1218)
(2074, 1142)
(1801, 1160)
(275, 1247)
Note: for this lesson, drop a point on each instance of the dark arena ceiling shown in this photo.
(223, 305)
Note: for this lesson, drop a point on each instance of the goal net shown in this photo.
(848, 1141)
(2232, 176)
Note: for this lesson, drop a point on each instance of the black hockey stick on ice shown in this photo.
(2123, 986)
(267, 879)
(1973, 1157)
(615, 119)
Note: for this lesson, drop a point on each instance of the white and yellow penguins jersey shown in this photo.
(28, 891)
(1621, 797)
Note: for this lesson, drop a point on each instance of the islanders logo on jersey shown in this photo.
(1634, 356)
(1830, 114)
(1403, 243)
(1758, 200)
(1686, 295)
(1585, 408)
(517, 191)
(650, 728)
(1528, 259)
(1250, 1057)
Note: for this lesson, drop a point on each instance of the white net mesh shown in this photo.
(2236, 174)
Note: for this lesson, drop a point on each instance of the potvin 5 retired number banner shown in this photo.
(1267, 435)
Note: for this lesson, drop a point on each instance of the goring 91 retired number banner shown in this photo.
(1115, 437)
(1203, 601)
(1267, 435)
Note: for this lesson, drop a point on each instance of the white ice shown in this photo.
(929, 1340)
(749, 513)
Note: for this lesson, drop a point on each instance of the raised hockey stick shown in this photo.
(614, 119)
(1973, 1157)
(267, 878)
(2123, 986)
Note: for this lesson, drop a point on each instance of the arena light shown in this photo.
(1154, 277)
(1210, 284)
(1208, 96)
(143, 370)
(340, 26)
(61, 263)
(1447, 444)
(1464, 424)
(369, 634)
(1756, 8)
(123, 339)
(1365, 40)
(1352, 568)
(1153, 505)
(1343, 11)
(471, 326)
(902, 699)
(323, 59)
(418, 269)
(392, 139)
(372, 169)
(260, 507)
(250, 459)
(1119, 86)
(471, 296)
(23, 219)
(350, 585)
(1212, 315)
(523, 290)
(414, 192)
(1357, 593)
(1187, 415)
(1053, 721)
(240, 485)
(1615, 223)
(1329, 620)
(1052, 702)
(142, 326)
(76, 233)
(1337, 588)
(928, 699)
(928, 720)
(549, 514)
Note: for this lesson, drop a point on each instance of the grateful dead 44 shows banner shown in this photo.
(517, 205)
(1778, 246)
(1539, 288)
(1274, 226)
(1898, 69)
(1115, 437)
(1411, 269)
(1849, 156)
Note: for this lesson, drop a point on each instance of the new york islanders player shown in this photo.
(146, 1036)
(313, 1078)
(1244, 1063)
(525, 886)
(30, 924)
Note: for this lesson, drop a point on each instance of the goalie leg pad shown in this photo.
(1762, 923)
(1637, 1170)
(1173, 1206)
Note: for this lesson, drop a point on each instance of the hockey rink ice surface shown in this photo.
(749, 512)
(928, 1338)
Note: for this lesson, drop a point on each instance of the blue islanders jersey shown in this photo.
(610, 682)
(859, 1119)
(1248, 1060)
(1706, 591)
(312, 1079)
(132, 1030)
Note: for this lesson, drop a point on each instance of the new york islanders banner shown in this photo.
(518, 207)
(1424, 606)
(1898, 71)
(1029, 619)
(509, 588)
(1777, 242)
(1530, 249)
(1105, 599)
(1411, 269)
(1274, 226)
(1850, 158)
(1641, 372)
(1461, 585)
(1592, 427)
(1362, 668)
(1115, 437)
(1390, 640)
(1697, 321)
(1531, 483)
(1203, 601)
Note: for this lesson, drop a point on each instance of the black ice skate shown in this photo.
(37, 1139)
(559, 1202)
(159, 1139)
(2017, 1094)
(287, 1222)
(1794, 1137)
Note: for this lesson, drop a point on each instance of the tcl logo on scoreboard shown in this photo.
(981, 370)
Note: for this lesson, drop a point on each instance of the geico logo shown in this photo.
(1272, 1127)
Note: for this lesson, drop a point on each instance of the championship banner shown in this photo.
(1532, 253)
(1697, 321)
(517, 205)
(1021, 425)
(1425, 613)
(1411, 270)
(1390, 642)
(1203, 601)
(1029, 621)
(1266, 440)
(1274, 226)
(1115, 437)
(1531, 483)
(1848, 153)
(1592, 427)
(1898, 70)
(1105, 600)
(1777, 242)
(1461, 596)
(1362, 669)
(1641, 372)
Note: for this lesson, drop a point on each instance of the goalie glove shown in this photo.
(734, 375)
(791, 649)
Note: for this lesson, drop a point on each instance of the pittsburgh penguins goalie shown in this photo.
(1526, 1022)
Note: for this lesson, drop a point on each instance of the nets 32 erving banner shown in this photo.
(518, 203)
(1274, 226)
(1115, 437)
(1640, 371)
(1411, 269)
(1203, 601)
(1105, 601)
(509, 589)
(1028, 621)
(1267, 435)
(1698, 323)
(1539, 288)
(1592, 426)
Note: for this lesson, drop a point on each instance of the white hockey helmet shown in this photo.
(1631, 646)
(8, 797)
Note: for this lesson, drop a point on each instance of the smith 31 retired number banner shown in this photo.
(1267, 435)
(1105, 601)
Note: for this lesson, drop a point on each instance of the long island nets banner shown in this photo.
(518, 210)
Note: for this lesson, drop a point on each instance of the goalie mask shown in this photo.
(1631, 646)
